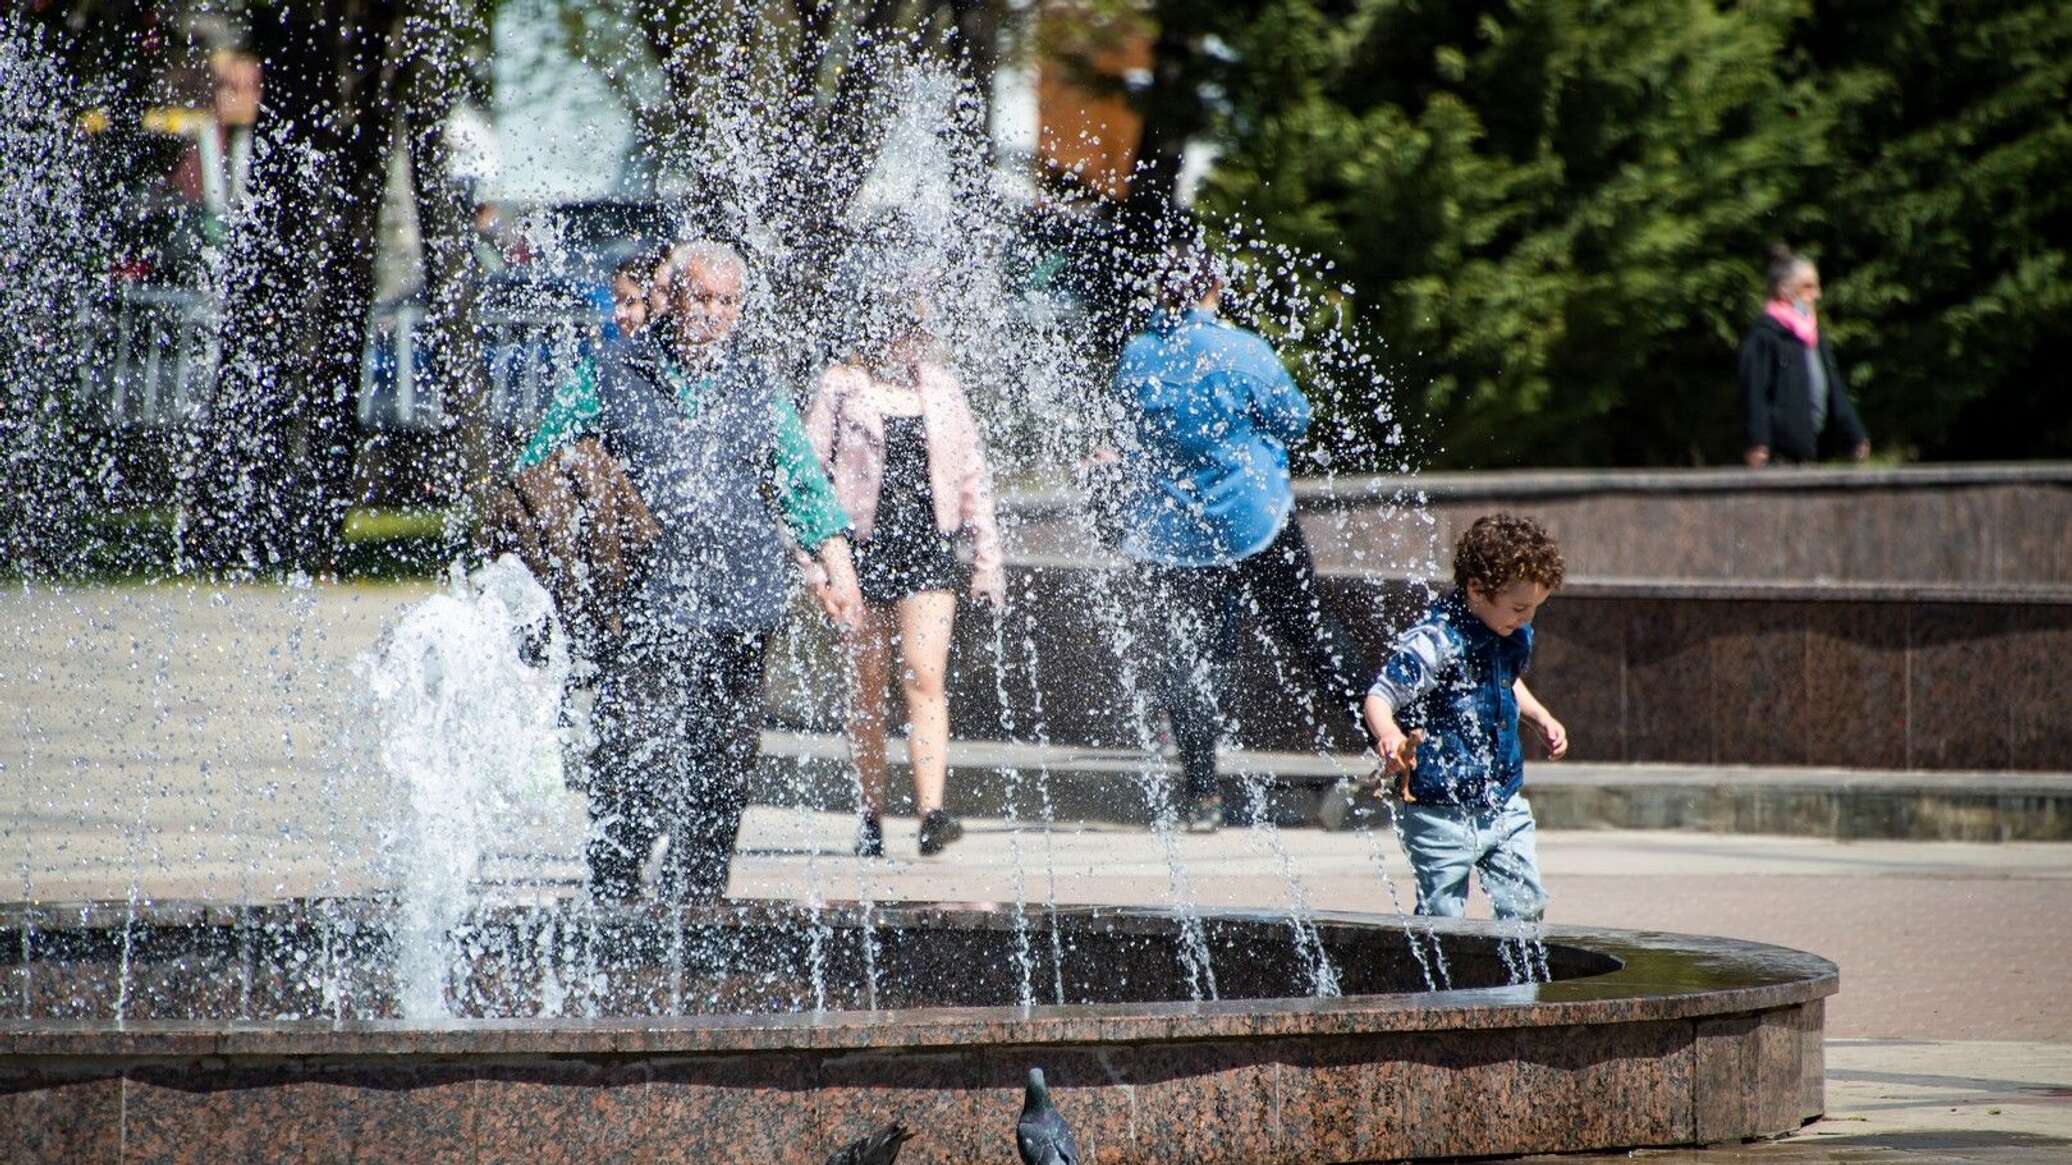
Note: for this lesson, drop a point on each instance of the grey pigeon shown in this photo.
(1041, 1134)
(879, 1148)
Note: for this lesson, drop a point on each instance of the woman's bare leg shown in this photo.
(870, 665)
(924, 653)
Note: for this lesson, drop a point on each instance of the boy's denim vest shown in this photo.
(1451, 676)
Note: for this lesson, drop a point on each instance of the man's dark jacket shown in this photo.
(1777, 397)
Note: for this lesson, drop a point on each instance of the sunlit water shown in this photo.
(470, 735)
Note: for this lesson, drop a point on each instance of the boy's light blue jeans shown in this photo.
(1446, 841)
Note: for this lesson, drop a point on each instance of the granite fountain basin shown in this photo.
(772, 1032)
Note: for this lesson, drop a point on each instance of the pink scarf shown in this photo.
(1806, 328)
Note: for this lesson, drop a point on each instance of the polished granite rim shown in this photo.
(1657, 977)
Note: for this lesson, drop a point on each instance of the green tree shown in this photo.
(1944, 219)
(1552, 213)
(799, 84)
(49, 265)
(270, 474)
(1549, 210)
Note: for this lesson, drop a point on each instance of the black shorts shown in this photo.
(901, 562)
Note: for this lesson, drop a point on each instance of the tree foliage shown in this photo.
(1948, 229)
(1552, 213)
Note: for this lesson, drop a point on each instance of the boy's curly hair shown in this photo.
(1500, 549)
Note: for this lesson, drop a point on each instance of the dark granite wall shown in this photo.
(1882, 618)
(1918, 684)
(1696, 674)
(1888, 528)
(1263, 1101)
(2006, 525)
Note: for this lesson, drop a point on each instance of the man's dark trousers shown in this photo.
(1195, 622)
(679, 718)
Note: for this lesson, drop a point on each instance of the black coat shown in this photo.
(1777, 397)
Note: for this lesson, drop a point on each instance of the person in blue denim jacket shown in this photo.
(1444, 712)
(1208, 514)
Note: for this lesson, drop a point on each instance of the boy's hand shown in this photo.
(1551, 734)
(1393, 773)
(1402, 759)
(1396, 748)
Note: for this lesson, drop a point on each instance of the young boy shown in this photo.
(1445, 710)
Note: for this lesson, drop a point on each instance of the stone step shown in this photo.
(995, 778)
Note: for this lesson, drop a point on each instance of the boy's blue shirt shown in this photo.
(1214, 413)
(1451, 676)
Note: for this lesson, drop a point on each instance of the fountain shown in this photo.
(344, 977)
(1636, 1040)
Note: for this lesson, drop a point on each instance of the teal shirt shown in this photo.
(811, 511)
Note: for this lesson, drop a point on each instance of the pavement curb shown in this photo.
(993, 778)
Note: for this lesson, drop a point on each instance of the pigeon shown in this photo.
(1041, 1134)
(879, 1148)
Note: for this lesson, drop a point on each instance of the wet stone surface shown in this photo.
(718, 1042)
(332, 961)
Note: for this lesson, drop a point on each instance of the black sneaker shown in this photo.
(870, 837)
(938, 829)
(1205, 814)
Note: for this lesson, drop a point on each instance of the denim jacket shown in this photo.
(1451, 676)
(1213, 414)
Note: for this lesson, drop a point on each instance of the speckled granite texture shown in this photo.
(1669, 672)
(1649, 1040)
(1248, 1102)
(1980, 525)
(1712, 616)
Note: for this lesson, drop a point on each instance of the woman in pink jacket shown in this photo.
(898, 438)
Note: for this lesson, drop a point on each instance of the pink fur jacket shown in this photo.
(848, 434)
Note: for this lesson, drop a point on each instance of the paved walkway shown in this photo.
(1897, 1102)
(1936, 940)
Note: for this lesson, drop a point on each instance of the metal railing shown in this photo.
(150, 360)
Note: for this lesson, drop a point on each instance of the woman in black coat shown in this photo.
(1793, 400)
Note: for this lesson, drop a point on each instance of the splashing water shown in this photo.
(462, 697)
(467, 690)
